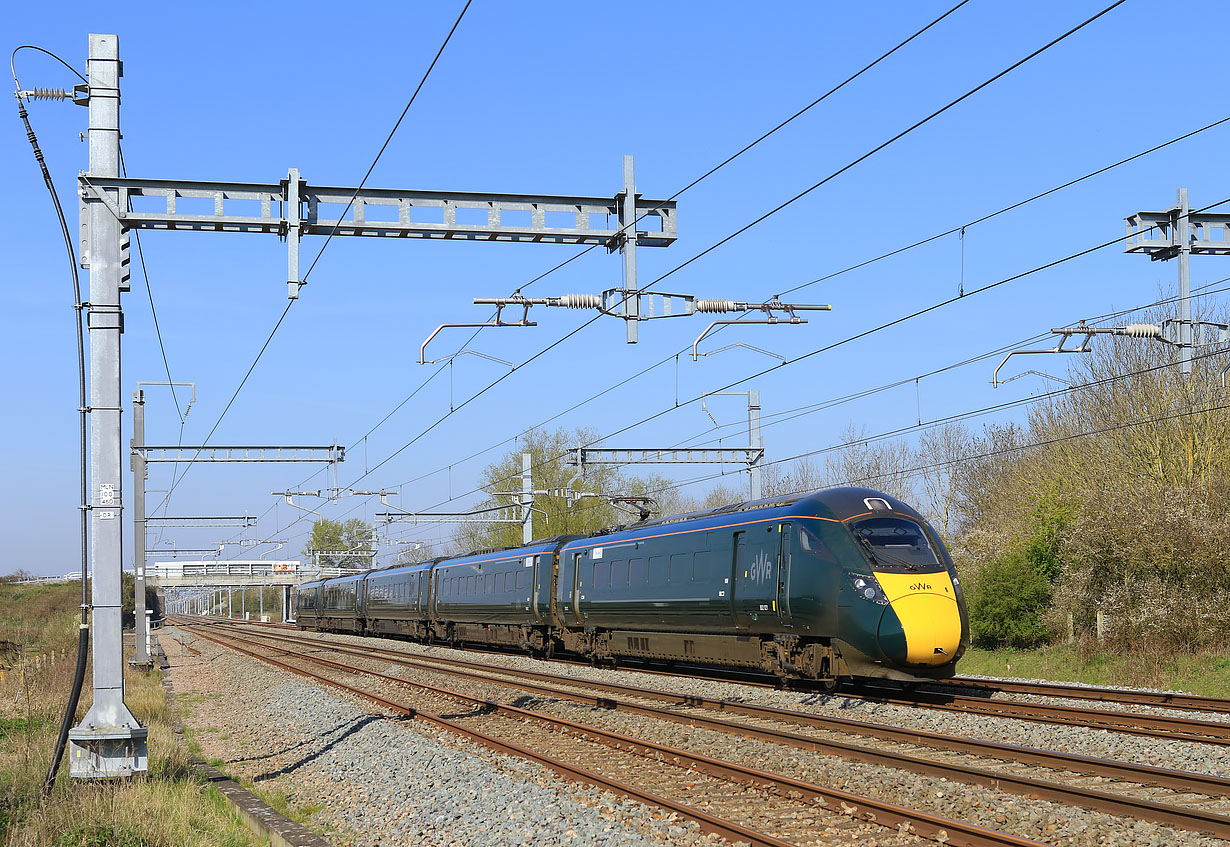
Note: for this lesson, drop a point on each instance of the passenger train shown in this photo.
(845, 582)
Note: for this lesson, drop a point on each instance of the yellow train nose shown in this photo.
(922, 625)
(921, 629)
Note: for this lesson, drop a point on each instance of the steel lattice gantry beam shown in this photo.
(601, 456)
(293, 209)
(333, 453)
(208, 522)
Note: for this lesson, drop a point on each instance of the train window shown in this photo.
(523, 579)
(490, 583)
(809, 543)
(896, 543)
(681, 568)
(657, 570)
(636, 572)
(499, 583)
(602, 574)
(700, 566)
(619, 573)
(471, 586)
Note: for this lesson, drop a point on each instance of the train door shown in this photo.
(783, 574)
(546, 567)
(755, 556)
(566, 587)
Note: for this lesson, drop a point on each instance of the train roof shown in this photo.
(840, 504)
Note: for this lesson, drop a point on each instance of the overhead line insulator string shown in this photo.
(839, 343)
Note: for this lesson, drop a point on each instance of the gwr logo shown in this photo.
(762, 568)
(921, 586)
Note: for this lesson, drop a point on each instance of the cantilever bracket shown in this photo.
(794, 319)
(1083, 347)
(770, 309)
(499, 321)
(289, 502)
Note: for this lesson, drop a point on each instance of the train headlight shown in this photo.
(868, 587)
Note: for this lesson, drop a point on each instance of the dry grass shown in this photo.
(169, 807)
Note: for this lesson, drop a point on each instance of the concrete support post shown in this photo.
(141, 656)
(109, 741)
(230, 596)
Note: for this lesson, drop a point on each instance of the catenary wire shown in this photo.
(175, 482)
(728, 160)
(848, 269)
(747, 227)
(971, 293)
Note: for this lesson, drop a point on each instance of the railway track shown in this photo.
(1054, 776)
(791, 807)
(1159, 699)
(1145, 725)
(1132, 723)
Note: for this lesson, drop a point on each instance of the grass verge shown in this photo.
(1207, 674)
(168, 807)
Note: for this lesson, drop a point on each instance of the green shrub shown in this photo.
(1007, 602)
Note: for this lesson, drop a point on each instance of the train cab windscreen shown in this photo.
(896, 544)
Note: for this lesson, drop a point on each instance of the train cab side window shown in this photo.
(813, 546)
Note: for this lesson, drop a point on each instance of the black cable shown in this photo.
(175, 482)
(868, 332)
(83, 629)
(754, 222)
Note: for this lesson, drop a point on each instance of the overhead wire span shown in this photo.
(849, 269)
(286, 311)
(747, 227)
(879, 328)
(697, 181)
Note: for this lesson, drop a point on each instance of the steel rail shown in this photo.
(1123, 771)
(729, 830)
(926, 825)
(1182, 817)
(1148, 726)
(1151, 726)
(1161, 699)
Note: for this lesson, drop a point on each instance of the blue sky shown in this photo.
(547, 98)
